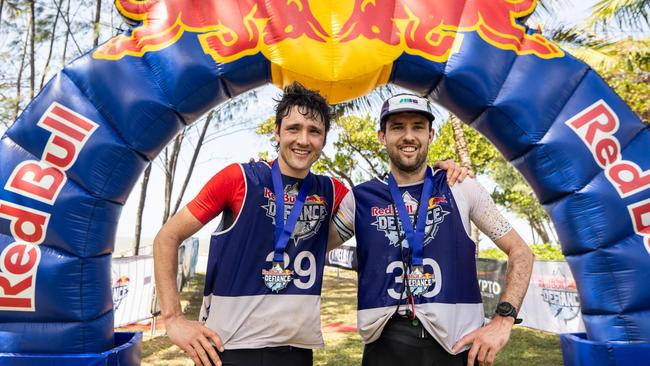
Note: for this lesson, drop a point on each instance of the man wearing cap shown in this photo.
(418, 297)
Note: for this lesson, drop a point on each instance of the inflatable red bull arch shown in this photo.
(72, 157)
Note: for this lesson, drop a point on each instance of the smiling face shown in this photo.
(301, 141)
(407, 138)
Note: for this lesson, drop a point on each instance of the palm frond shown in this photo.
(634, 13)
(575, 37)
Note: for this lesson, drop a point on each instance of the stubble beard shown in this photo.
(396, 160)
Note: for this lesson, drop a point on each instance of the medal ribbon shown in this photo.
(283, 231)
(415, 237)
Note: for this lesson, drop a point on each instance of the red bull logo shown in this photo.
(120, 290)
(351, 42)
(123, 280)
(431, 28)
(230, 29)
(435, 201)
(316, 199)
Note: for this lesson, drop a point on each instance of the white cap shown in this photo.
(406, 103)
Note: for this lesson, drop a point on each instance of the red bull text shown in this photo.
(40, 180)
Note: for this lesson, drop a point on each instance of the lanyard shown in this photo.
(415, 237)
(283, 231)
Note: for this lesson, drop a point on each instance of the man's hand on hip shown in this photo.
(487, 341)
(197, 340)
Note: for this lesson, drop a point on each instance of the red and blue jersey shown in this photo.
(237, 304)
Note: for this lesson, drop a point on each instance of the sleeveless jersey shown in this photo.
(452, 308)
(237, 304)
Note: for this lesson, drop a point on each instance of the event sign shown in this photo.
(133, 286)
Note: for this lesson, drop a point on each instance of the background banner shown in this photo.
(552, 303)
(344, 256)
(133, 286)
(491, 282)
(188, 254)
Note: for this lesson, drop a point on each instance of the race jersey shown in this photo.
(236, 303)
(452, 307)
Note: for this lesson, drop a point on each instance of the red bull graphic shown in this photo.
(232, 29)
(596, 126)
(311, 218)
(304, 40)
(229, 29)
(120, 290)
(430, 28)
(387, 219)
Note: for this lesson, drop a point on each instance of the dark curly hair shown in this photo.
(309, 102)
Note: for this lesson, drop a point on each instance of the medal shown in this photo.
(418, 281)
(278, 278)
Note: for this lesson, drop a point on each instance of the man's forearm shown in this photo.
(520, 265)
(165, 252)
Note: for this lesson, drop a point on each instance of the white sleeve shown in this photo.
(475, 203)
(344, 219)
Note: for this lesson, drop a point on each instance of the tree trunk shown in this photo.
(460, 142)
(171, 158)
(98, 12)
(138, 219)
(32, 55)
(67, 33)
(19, 79)
(539, 228)
(550, 229)
(168, 185)
(49, 54)
(2, 3)
(197, 149)
(463, 154)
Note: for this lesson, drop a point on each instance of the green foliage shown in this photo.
(266, 127)
(514, 193)
(546, 252)
(482, 152)
(492, 253)
(623, 64)
(629, 74)
(358, 153)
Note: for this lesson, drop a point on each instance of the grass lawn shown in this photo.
(343, 347)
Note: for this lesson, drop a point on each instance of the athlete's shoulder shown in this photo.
(234, 170)
(340, 189)
(470, 189)
(468, 184)
(256, 170)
